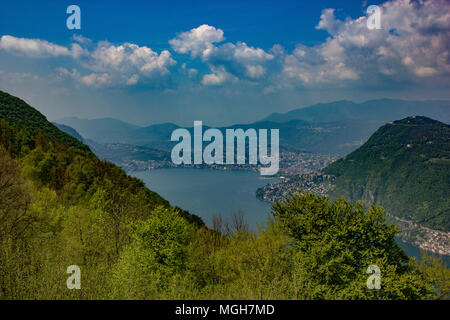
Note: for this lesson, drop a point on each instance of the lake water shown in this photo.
(209, 193)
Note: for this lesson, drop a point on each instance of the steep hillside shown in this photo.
(53, 159)
(18, 115)
(405, 167)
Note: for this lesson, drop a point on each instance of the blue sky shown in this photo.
(221, 62)
(152, 23)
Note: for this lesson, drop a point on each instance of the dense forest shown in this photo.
(60, 206)
(404, 167)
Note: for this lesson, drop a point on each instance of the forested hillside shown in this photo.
(404, 167)
(61, 206)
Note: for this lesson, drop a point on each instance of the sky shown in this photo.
(222, 62)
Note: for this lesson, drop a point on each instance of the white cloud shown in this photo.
(328, 22)
(217, 77)
(197, 41)
(96, 79)
(413, 44)
(126, 64)
(239, 52)
(235, 60)
(128, 58)
(255, 71)
(37, 48)
(107, 64)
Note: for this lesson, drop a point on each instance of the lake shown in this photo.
(209, 193)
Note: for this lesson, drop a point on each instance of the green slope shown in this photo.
(18, 114)
(404, 167)
(53, 159)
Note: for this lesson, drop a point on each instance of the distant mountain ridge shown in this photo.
(334, 137)
(100, 130)
(338, 128)
(69, 130)
(404, 167)
(381, 109)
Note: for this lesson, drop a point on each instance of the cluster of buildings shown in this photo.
(138, 165)
(293, 163)
(425, 238)
(436, 241)
(316, 183)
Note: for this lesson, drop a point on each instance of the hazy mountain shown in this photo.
(404, 167)
(333, 137)
(121, 153)
(383, 110)
(69, 130)
(118, 153)
(339, 127)
(101, 130)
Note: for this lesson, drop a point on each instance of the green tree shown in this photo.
(335, 242)
(158, 253)
(436, 271)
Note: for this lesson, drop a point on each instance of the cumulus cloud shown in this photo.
(96, 80)
(227, 61)
(198, 41)
(413, 44)
(218, 76)
(37, 48)
(106, 64)
(328, 21)
(128, 63)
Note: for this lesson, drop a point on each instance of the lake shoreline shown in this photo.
(211, 192)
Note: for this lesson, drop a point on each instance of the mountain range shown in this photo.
(333, 128)
(383, 110)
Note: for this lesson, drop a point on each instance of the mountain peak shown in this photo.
(417, 120)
